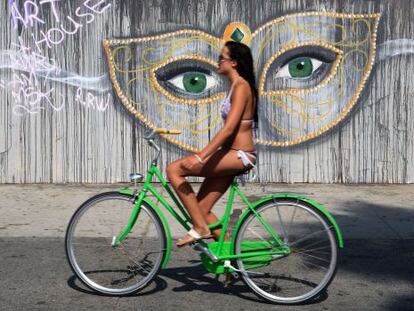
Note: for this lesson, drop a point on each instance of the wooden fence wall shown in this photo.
(62, 120)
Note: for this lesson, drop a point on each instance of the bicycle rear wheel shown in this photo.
(114, 270)
(308, 265)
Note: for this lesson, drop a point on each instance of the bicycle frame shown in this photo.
(185, 219)
(213, 254)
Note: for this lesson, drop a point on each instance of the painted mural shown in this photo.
(311, 68)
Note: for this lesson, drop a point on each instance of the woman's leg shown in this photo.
(176, 175)
(223, 162)
(211, 190)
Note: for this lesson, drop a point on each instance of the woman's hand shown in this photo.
(190, 162)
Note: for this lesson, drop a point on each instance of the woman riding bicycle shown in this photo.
(231, 151)
(284, 246)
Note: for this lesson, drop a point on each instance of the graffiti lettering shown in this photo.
(84, 13)
(27, 93)
(27, 17)
(27, 60)
(31, 10)
(29, 98)
(90, 100)
(53, 7)
(26, 89)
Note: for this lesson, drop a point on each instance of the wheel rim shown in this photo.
(114, 270)
(311, 263)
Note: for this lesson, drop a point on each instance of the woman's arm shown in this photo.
(238, 104)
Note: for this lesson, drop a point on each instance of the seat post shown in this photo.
(241, 178)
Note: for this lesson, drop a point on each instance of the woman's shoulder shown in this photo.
(241, 84)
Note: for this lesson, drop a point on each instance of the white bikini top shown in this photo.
(225, 106)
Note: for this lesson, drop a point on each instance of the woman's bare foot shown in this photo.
(194, 235)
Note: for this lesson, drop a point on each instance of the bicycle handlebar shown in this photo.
(161, 130)
(151, 142)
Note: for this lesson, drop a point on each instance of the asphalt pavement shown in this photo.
(375, 269)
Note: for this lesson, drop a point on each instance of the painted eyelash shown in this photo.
(317, 52)
(175, 71)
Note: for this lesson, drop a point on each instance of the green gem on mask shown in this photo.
(237, 35)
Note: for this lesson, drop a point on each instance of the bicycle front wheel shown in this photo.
(121, 269)
(302, 267)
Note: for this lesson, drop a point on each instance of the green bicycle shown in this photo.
(284, 246)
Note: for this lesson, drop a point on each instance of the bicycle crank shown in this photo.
(198, 247)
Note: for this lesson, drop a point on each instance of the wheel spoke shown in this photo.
(313, 264)
(286, 240)
(314, 243)
(291, 220)
(314, 249)
(312, 256)
(259, 236)
(308, 236)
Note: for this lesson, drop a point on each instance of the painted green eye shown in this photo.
(299, 68)
(193, 82)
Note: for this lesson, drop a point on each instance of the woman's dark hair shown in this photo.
(241, 53)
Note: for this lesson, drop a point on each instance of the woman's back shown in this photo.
(243, 136)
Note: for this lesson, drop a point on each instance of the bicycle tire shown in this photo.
(283, 277)
(99, 232)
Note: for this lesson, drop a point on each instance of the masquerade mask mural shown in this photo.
(310, 70)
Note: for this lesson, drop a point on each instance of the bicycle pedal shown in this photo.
(229, 279)
(194, 246)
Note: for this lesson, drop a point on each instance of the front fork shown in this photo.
(116, 240)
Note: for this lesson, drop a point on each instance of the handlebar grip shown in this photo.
(163, 130)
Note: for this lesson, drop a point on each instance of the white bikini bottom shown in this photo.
(242, 154)
(245, 159)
